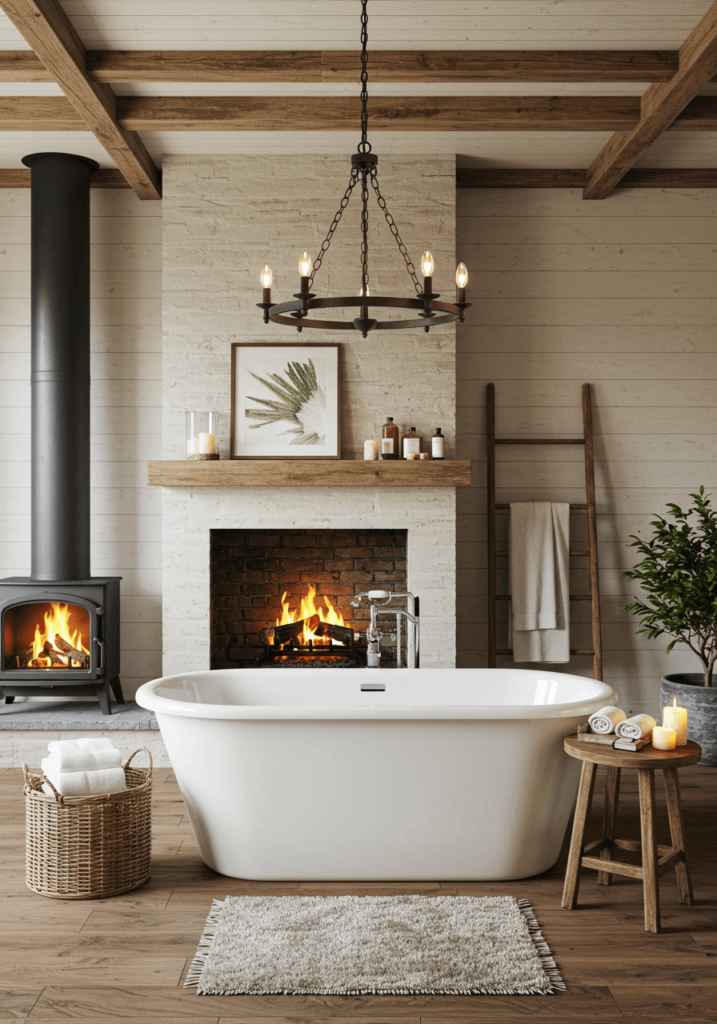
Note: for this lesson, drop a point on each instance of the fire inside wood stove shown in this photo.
(48, 635)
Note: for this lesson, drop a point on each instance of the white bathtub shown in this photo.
(448, 774)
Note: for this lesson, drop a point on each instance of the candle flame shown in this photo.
(674, 702)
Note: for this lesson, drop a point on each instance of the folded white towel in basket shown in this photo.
(103, 780)
(636, 728)
(73, 756)
(606, 719)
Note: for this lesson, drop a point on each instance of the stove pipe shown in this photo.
(60, 378)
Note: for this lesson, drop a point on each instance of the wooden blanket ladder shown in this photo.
(589, 507)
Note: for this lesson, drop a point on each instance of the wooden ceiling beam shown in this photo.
(104, 178)
(116, 66)
(47, 29)
(662, 107)
(418, 114)
(502, 65)
(475, 177)
(639, 177)
(22, 66)
(401, 114)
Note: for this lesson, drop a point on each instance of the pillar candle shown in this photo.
(676, 718)
(193, 446)
(370, 450)
(663, 739)
(207, 444)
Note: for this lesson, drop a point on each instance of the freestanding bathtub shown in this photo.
(447, 774)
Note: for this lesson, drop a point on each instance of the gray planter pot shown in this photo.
(701, 704)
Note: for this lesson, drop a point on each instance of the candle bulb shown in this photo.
(663, 739)
(676, 718)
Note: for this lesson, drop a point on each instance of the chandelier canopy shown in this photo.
(430, 312)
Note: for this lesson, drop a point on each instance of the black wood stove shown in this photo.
(59, 627)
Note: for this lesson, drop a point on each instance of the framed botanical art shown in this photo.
(285, 401)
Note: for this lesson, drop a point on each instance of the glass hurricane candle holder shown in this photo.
(201, 436)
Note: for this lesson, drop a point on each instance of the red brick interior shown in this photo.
(251, 569)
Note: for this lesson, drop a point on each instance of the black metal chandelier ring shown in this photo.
(364, 172)
(300, 306)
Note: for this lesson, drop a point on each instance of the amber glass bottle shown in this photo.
(411, 443)
(389, 440)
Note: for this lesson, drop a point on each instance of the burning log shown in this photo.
(23, 658)
(344, 634)
(279, 635)
(70, 652)
(49, 651)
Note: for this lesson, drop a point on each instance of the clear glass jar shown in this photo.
(201, 436)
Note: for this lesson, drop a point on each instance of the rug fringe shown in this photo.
(196, 967)
(541, 947)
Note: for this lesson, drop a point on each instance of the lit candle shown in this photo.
(207, 444)
(663, 739)
(193, 446)
(370, 450)
(676, 718)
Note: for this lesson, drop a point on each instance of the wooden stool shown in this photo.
(646, 761)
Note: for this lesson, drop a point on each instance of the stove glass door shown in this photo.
(50, 635)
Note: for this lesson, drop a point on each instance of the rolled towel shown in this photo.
(606, 719)
(636, 728)
(83, 760)
(104, 780)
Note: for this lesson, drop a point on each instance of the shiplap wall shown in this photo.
(620, 293)
(126, 408)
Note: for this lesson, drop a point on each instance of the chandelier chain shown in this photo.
(364, 233)
(335, 223)
(394, 231)
(364, 145)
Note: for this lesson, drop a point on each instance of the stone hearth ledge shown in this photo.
(26, 727)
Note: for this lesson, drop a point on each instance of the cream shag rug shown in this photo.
(397, 945)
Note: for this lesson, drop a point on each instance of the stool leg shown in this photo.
(674, 810)
(609, 821)
(650, 882)
(582, 809)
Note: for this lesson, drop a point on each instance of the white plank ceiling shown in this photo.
(393, 24)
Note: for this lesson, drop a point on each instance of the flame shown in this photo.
(57, 622)
(305, 611)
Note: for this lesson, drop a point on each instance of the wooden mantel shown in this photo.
(307, 473)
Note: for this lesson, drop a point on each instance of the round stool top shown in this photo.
(648, 757)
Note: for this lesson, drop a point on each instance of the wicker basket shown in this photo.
(84, 847)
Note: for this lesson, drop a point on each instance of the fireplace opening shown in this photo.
(46, 634)
(285, 597)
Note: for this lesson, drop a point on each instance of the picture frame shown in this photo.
(286, 400)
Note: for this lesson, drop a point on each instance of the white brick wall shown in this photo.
(223, 219)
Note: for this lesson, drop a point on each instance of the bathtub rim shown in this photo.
(373, 708)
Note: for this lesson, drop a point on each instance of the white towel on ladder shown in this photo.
(540, 581)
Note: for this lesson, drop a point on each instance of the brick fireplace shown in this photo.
(255, 572)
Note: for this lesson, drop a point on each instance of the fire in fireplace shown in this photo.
(290, 593)
(308, 634)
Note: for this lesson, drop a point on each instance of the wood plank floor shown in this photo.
(124, 959)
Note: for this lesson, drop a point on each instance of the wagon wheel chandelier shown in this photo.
(431, 312)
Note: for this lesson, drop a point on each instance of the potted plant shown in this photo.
(678, 575)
